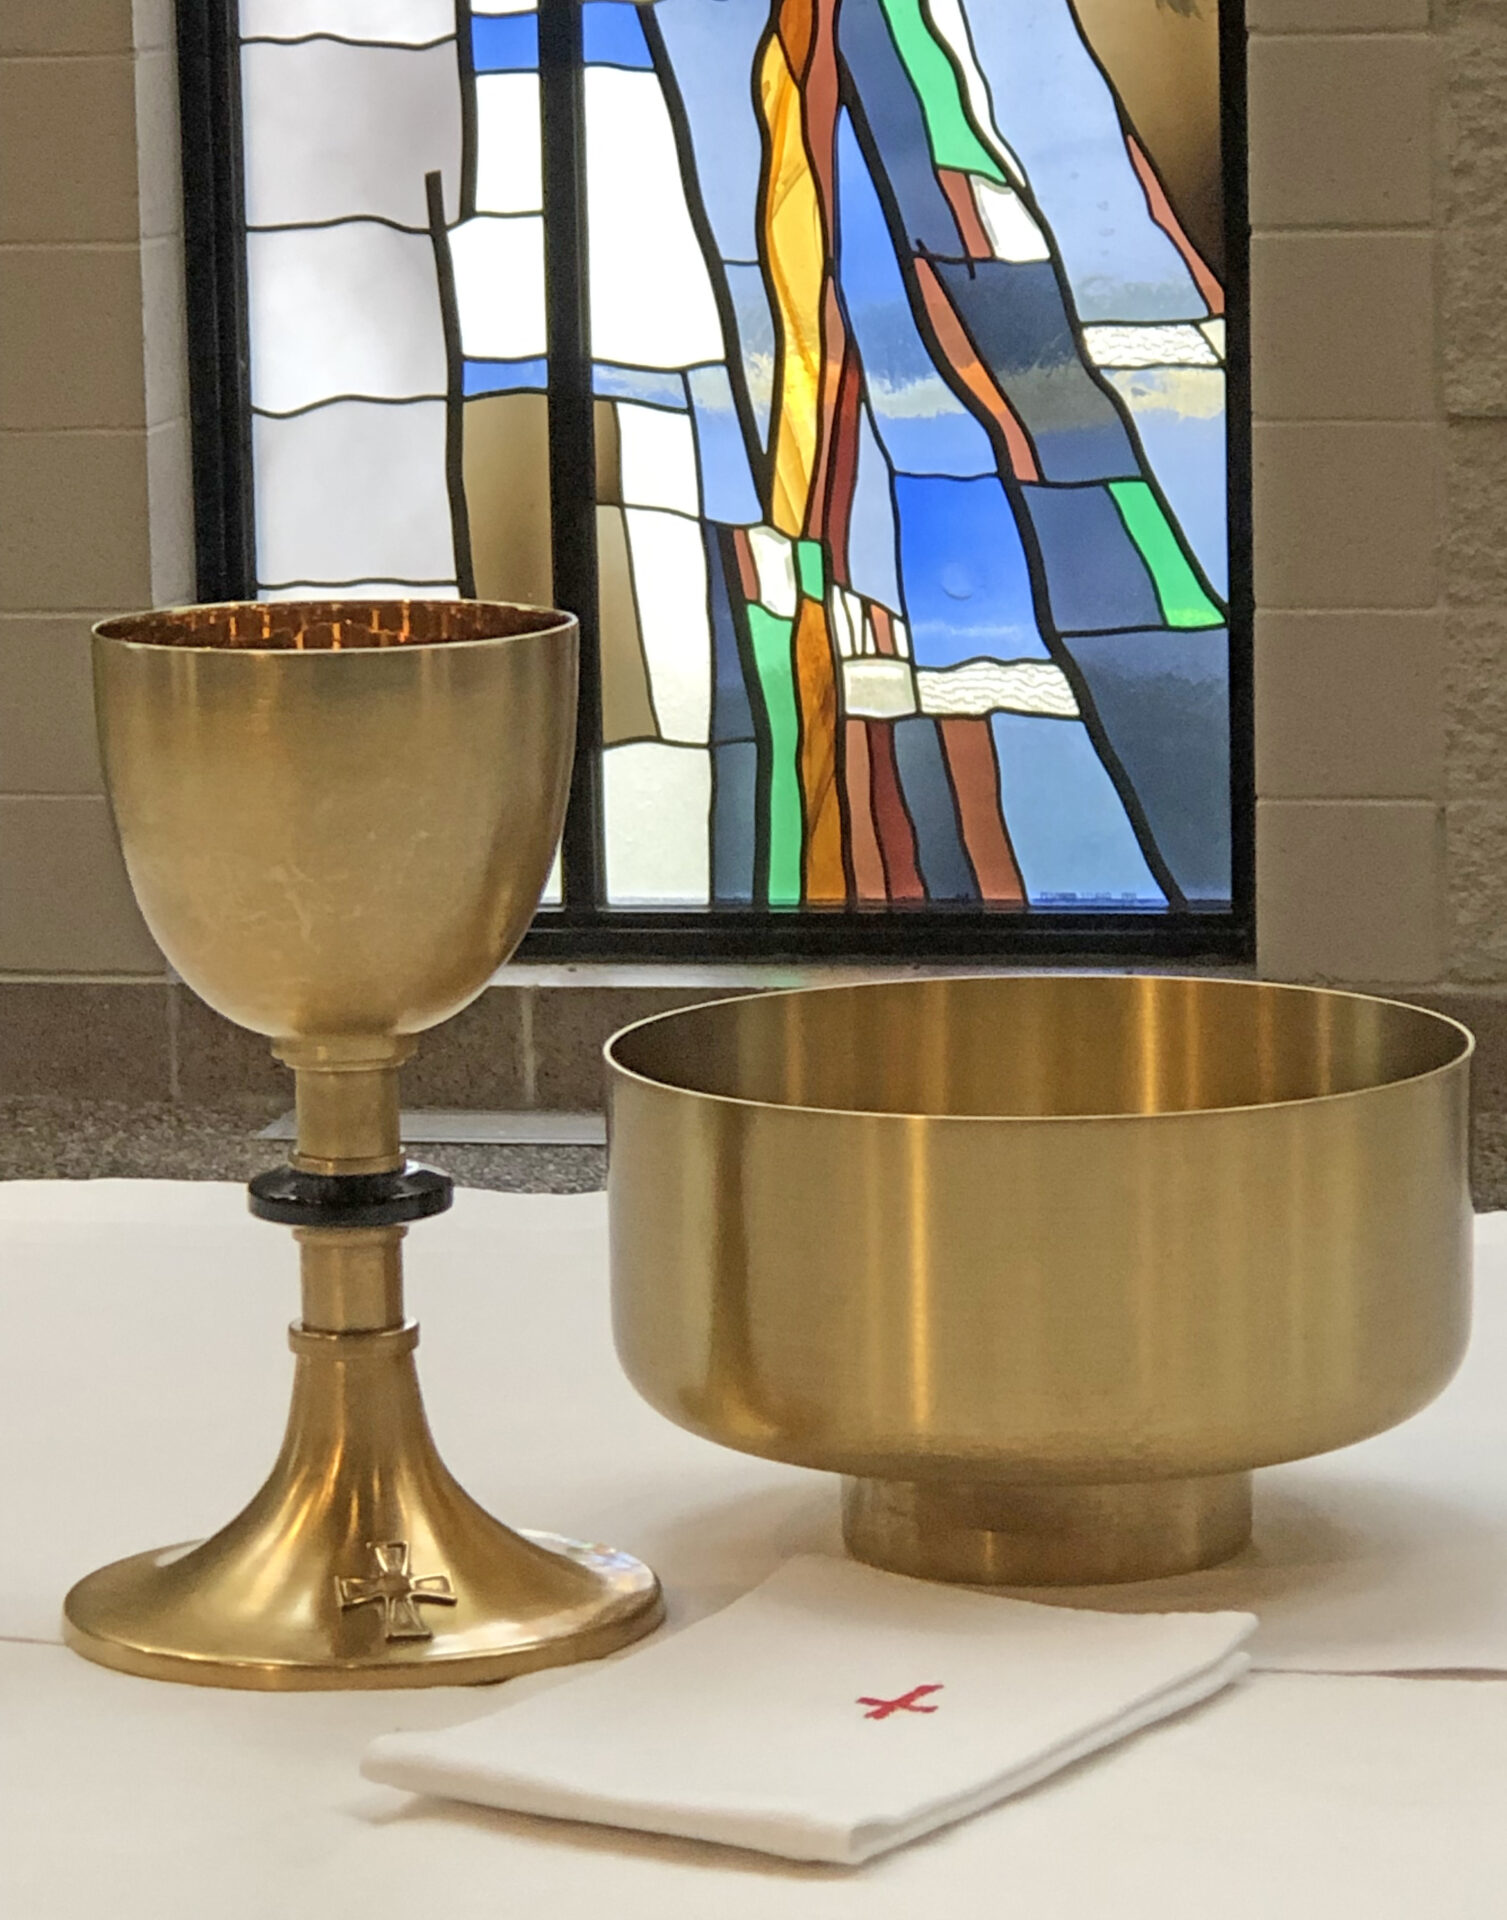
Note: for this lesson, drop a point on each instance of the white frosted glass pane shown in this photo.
(669, 583)
(657, 801)
(997, 686)
(1013, 233)
(774, 561)
(338, 310)
(845, 618)
(505, 6)
(651, 301)
(334, 130)
(411, 20)
(877, 689)
(353, 491)
(499, 287)
(1159, 345)
(658, 453)
(507, 143)
(363, 590)
(554, 886)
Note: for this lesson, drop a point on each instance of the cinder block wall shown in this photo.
(1350, 656)
(95, 512)
(1379, 203)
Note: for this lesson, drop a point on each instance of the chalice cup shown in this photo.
(337, 818)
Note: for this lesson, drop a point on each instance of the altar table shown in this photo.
(143, 1381)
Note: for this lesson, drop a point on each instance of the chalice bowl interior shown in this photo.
(337, 818)
(1043, 1265)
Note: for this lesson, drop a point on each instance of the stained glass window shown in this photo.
(908, 339)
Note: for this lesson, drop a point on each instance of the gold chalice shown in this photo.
(337, 818)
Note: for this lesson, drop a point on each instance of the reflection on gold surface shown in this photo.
(627, 704)
(1163, 58)
(1044, 1264)
(506, 466)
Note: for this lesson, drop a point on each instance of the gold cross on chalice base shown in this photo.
(337, 818)
(396, 1592)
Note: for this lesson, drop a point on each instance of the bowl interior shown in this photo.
(1048, 1045)
(321, 626)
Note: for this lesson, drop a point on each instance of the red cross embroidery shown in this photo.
(906, 1703)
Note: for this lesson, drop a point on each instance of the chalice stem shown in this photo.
(348, 1116)
(352, 1278)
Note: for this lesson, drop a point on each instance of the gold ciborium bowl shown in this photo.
(337, 818)
(1043, 1265)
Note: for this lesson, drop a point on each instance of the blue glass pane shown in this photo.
(727, 488)
(928, 798)
(755, 342)
(964, 573)
(1020, 326)
(924, 427)
(735, 782)
(713, 46)
(1052, 105)
(1163, 701)
(505, 42)
(871, 524)
(894, 123)
(1073, 842)
(612, 36)
(505, 376)
(1096, 577)
(1179, 415)
(732, 716)
(655, 389)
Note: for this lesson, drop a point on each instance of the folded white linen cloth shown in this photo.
(831, 1714)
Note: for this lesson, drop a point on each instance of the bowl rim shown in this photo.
(561, 623)
(1461, 1057)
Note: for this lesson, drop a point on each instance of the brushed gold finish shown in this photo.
(346, 1100)
(989, 1534)
(266, 1604)
(338, 819)
(1045, 1265)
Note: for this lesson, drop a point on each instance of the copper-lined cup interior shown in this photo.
(327, 626)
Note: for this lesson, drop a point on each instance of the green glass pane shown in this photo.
(775, 665)
(953, 140)
(1184, 602)
(811, 569)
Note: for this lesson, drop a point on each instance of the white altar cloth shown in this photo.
(143, 1382)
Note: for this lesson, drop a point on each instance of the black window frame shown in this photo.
(580, 929)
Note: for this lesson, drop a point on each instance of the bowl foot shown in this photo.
(987, 1534)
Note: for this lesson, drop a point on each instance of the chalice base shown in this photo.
(987, 1534)
(361, 1562)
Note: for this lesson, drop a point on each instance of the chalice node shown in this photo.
(338, 817)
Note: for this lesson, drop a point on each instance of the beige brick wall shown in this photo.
(1379, 175)
(1475, 398)
(1350, 636)
(94, 475)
